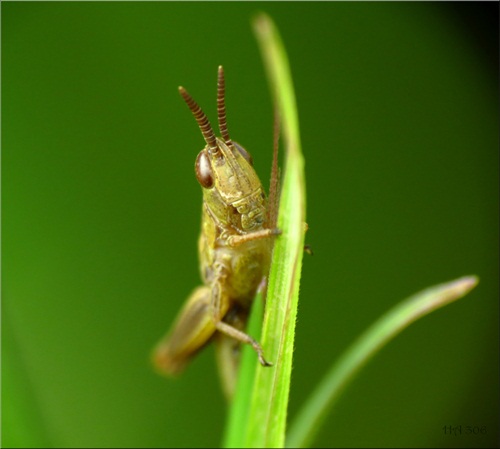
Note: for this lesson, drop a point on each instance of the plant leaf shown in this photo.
(313, 413)
(269, 400)
(238, 412)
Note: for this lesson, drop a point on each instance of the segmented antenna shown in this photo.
(274, 188)
(221, 107)
(201, 118)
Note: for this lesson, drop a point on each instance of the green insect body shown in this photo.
(234, 247)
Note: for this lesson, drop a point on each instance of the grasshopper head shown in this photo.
(231, 188)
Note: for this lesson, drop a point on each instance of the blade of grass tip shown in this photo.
(238, 413)
(269, 402)
(313, 413)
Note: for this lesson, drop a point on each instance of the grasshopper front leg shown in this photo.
(236, 240)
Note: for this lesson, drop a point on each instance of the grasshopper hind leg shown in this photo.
(192, 330)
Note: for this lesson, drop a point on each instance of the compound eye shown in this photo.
(243, 152)
(203, 170)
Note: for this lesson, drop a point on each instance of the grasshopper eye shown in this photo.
(243, 152)
(203, 171)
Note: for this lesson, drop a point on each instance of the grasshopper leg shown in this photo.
(228, 350)
(236, 240)
(219, 306)
(192, 329)
(231, 331)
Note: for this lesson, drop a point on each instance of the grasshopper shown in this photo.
(235, 245)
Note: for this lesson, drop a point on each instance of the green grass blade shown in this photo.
(238, 413)
(269, 401)
(313, 413)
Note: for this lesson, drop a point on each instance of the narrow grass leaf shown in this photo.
(269, 400)
(238, 413)
(313, 413)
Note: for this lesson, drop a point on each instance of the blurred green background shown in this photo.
(399, 111)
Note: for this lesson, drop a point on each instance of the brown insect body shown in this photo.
(234, 250)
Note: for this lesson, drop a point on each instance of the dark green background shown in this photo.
(398, 105)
